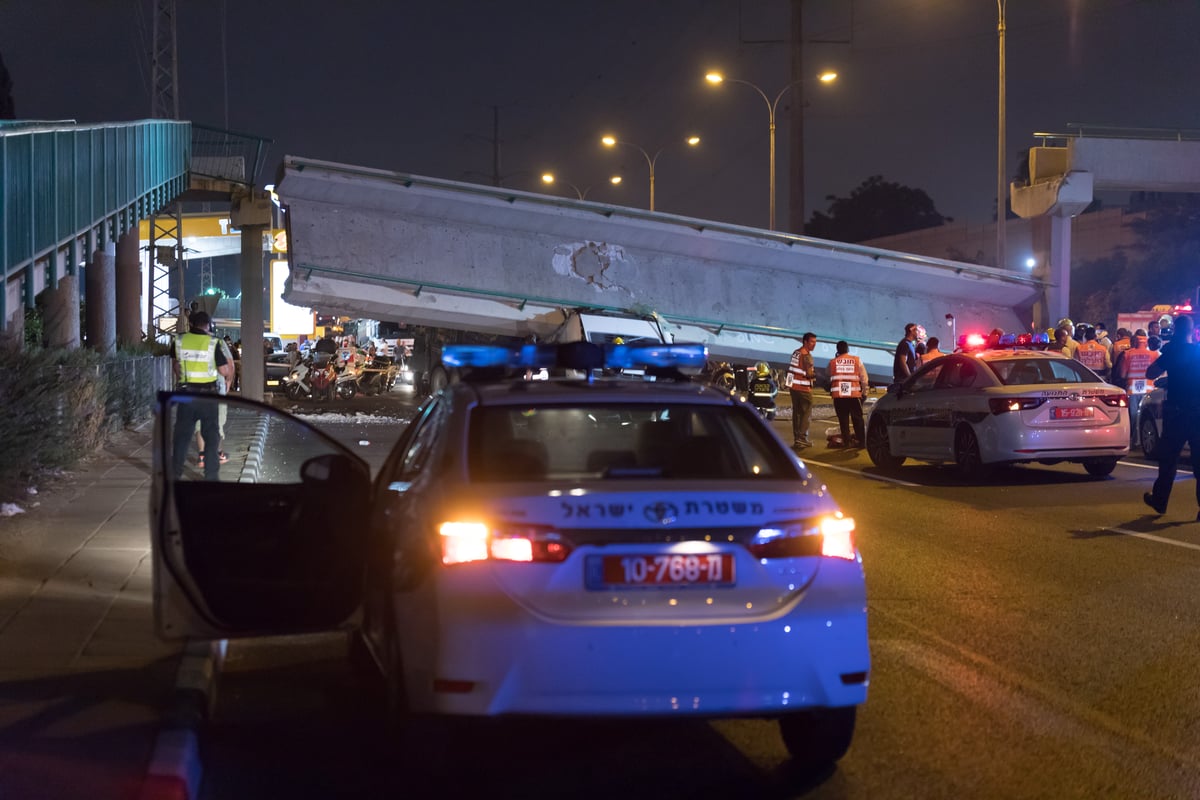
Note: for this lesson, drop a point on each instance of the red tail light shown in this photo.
(1115, 400)
(831, 536)
(464, 542)
(1003, 405)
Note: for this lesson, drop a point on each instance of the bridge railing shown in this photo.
(227, 155)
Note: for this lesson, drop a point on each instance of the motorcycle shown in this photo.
(308, 380)
(378, 376)
(346, 384)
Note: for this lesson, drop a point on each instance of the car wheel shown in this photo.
(818, 737)
(967, 454)
(1100, 466)
(1148, 433)
(879, 446)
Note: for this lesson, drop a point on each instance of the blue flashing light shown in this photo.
(1041, 338)
(1008, 340)
(642, 356)
(577, 355)
(476, 355)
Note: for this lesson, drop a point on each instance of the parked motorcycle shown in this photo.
(309, 380)
(346, 384)
(378, 376)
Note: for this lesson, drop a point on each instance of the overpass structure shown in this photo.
(1067, 169)
(386, 245)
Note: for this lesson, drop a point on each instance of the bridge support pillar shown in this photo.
(100, 298)
(61, 320)
(253, 318)
(129, 289)
(1052, 250)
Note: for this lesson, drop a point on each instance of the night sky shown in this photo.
(410, 86)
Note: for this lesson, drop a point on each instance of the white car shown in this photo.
(1005, 404)
(592, 547)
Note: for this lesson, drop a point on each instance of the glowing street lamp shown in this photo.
(549, 178)
(612, 141)
(717, 78)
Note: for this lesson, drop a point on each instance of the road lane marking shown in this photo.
(1151, 537)
(861, 474)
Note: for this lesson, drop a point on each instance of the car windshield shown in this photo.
(1024, 371)
(622, 442)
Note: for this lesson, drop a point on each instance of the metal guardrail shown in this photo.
(1081, 130)
(61, 183)
(227, 155)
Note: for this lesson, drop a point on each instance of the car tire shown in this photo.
(1099, 467)
(818, 737)
(879, 446)
(1148, 435)
(967, 454)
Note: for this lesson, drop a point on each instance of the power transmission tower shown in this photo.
(164, 66)
(168, 223)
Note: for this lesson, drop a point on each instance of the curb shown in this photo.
(175, 771)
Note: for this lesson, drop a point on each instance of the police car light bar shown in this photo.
(977, 341)
(648, 356)
(577, 355)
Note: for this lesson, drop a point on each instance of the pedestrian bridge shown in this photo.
(387, 245)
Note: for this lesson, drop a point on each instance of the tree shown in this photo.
(876, 208)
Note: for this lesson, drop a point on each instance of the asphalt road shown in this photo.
(1032, 637)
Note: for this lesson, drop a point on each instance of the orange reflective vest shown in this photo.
(800, 371)
(1137, 359)
(1121, 344)
(846, 376)
(1094, 356)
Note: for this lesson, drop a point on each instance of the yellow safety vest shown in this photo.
(197, 359)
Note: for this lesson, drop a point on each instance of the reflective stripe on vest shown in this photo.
(197, 360)
(1091, 355)
(844, 379)
(798, 377)
(1136, 361)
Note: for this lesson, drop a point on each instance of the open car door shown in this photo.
(271, 542)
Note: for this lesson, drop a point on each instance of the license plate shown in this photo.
(1072, 412)
(605, 572)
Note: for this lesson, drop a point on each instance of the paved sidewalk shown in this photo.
(83, 679)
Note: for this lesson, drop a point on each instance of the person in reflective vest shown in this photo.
(847, 383)
(799, 380)
(198, 363)
(1132, 375)
(1094, 355)
(762, 389)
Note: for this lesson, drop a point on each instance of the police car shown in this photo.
(580, 546)
(1001, 400)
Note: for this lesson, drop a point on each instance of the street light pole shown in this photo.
(549, 178)
(1001, 182)
(772, 106)
(612, 141)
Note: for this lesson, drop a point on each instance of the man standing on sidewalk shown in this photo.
(198, 363)
(905, 361)
(799, 381)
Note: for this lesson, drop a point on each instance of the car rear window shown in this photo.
(622, 442)
(1026, 371)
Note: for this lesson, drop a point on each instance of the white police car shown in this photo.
(588, 546)
(1001, 401)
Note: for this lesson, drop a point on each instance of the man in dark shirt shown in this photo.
(905, 362)
(1180, 359)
